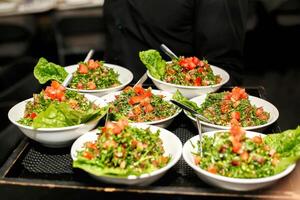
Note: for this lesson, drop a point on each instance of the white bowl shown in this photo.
(258, 102)
(53, 137)
(125, 77)
(172, 146)
(238, 184)
(161, 123)
(192, 91)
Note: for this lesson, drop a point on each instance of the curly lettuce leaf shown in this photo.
(62, 115)
(287, 144)
(45, 71)
(154, 63)
(182, 99)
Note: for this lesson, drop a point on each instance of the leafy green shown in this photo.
(154, 63)
(45, 71)
(62, 115)
(182, 99)
(287, 144)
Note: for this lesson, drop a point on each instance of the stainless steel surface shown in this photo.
(167, 51)
(197, 115)
(141, 80)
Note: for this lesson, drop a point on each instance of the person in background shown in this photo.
(210, 29)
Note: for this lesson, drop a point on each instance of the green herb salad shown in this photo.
(122, 150)
(233, 154)
(91, 75)
(140, 105)
(56, 107)
(189, 71)
(222, 108)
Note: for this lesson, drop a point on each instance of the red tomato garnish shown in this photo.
(83, 69)
(197, 81)
(139, 90)
(135, 99)
(79, 85)
(93, 64)
(91, 145)
(91, 85)
(236, 115)
(33, 115)
(87, 155)
(245, 155)
(212, 169)
(149, 108)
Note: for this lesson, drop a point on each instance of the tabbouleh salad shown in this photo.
(140, 105)
(122, 150)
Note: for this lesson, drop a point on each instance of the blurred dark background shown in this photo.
(64, 36)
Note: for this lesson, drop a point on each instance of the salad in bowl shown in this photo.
(56, 116)
(242, 160)
(93, 77)
(236, 105)
(190, 75)
(126, 154)
(141, 105)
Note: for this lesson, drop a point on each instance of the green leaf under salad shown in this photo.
(56, 107)
(232, 154)
(122, 150)
(154, 63)
(45, 71)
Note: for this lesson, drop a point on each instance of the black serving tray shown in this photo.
(33, 165)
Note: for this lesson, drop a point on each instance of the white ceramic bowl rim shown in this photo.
(223, 81)
(43, 129)
(274, 117)
(172, 162)
(235, 180)
(156, 121)
(129, 74)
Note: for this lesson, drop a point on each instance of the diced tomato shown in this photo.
(234, 122)
(197, 81)
(201, 69)
(147, 93)
(236, 115)
(60, 96)
(33, 115)
(245, 155)
(238, 93)
(227, 96)
(91, 145)
(197, 160)
(93, 64)
(259, 111)
(91, 85)
(139, 90)
(55, 84)
(79, 85)
(224, 107)
(212, 169)
(116, 130)
(236, 145)
(149, 108)
(263, 117)
(146, 101)
(135, 99)
(257, 139)
(83, 69)
(122, 123)
(134, 143)
(87, 155)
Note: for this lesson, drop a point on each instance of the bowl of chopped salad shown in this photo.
(141, 105)
(128, 154)
(242, 160)
(190, 75)
(98, 78)
(56, 117)
(222, 108)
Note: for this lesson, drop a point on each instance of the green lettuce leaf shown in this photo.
(62, 115)
(45, 71)
(287, 144)
(154, 63)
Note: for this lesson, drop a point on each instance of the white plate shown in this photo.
(192, 91)
(125, 77)
(238, 184)
(161, 123)
(53, 137)
(255, 101)
(172, 146)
